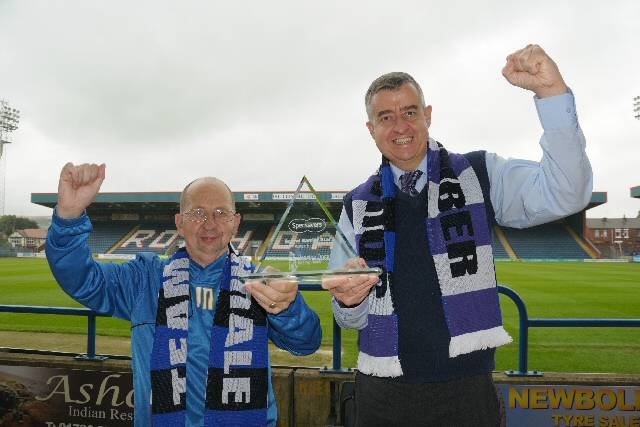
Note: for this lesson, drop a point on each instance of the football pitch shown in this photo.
(549, 290)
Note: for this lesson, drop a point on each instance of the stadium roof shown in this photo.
(597, 198)
(264, 200)
(635, 192)
(164, 201)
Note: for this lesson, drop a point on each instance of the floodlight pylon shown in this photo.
(9, 119)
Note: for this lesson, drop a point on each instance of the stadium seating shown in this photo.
(547, 241)
(250, 236)
(315, 247)
(498, 250)
(162, 238)
(107, 234)
(149, 237)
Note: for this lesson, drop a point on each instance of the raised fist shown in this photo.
(77, 188)
(531, 68)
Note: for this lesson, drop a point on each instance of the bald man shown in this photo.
(192, 301)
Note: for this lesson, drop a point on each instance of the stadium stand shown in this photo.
(548, 241)
(316, 247)
(148, 237)
(250, 237)
(128, 223)
(130, 238)
(106, 234)
(498, 250)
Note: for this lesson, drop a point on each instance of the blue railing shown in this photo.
(525, 324)
(66, 311)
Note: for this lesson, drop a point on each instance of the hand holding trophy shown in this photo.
(351, 289)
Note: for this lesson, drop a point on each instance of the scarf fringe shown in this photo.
(479, 340)
(379, 366)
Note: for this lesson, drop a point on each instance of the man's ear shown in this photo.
(236, 223)
(427, 114)
(178, 221)
(371, 130)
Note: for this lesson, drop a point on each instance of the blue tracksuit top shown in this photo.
(130, 291)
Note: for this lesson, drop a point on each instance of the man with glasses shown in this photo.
(429, 327)
(192, 301)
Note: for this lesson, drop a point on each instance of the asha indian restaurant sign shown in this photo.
(54, 397)
(571, 405)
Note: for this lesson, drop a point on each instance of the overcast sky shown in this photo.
(260, 93)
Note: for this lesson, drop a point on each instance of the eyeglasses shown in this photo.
(199, 215)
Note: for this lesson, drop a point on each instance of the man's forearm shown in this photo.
(68, 254)
(526, 193)
(106, 288)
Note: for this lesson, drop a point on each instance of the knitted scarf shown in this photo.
(459, 236)
(237, 378)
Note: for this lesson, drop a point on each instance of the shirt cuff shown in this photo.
(557, 112)
(347, 313)
(70, 222)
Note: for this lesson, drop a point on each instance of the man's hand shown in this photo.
(274, 295)
(531, 68)
(351, 290)
(77, 188)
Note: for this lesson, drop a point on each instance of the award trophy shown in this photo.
(300, 245)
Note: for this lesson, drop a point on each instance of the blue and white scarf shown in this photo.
(459, 237)
(237, 379)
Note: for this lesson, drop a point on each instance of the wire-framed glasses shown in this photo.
(199, 215)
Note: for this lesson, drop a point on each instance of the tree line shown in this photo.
(11, 223)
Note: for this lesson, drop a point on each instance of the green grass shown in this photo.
(573, 290)
(558, 290)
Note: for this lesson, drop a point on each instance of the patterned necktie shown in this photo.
(408, 182)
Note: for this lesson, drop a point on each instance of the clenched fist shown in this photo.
(77, 188)
(531, 68)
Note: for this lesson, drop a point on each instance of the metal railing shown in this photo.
(526, 323)
(65, 311)
(523, 349)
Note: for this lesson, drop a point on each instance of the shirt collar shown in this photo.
(422, 181)
(215, 265)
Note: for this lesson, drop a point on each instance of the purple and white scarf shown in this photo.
(459, 237)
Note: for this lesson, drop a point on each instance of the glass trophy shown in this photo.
(300, 245)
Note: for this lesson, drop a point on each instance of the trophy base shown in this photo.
(311, 275)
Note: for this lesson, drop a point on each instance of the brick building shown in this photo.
(30, 238)
(614, 237)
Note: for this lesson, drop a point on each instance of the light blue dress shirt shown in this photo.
(523, 193)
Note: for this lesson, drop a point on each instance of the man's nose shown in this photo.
(400, 125)
(209, 224)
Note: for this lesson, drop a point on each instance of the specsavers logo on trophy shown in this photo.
(300, 245)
